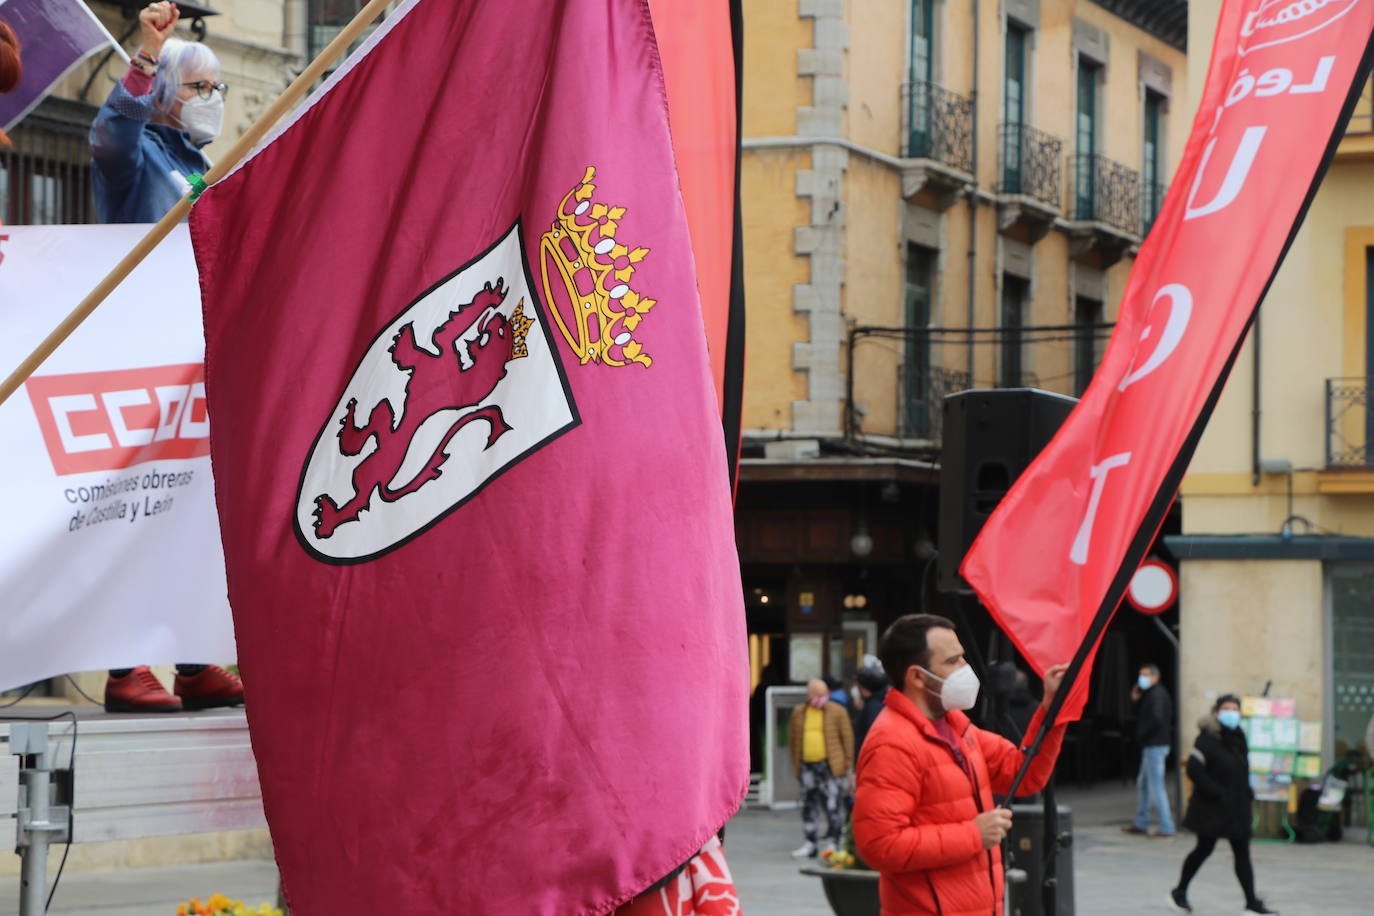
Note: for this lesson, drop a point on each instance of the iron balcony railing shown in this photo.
(923, 393)
(1105, 191)
(937, 124)
(45, 179)
(1151, 201)
(897, 377)
(1029, 163)
(1349, 423)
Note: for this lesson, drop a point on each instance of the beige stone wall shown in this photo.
(1244, 623)
(780, 36)
(773, 34)
(876, 73)
(873, 271)
(195, 849)
(770, 212)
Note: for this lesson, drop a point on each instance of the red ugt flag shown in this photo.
(1061, 547)
(470, 473)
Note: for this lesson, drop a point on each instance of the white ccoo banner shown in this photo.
(110, 552)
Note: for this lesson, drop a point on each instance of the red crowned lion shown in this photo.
(442, 382)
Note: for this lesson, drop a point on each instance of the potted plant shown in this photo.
(851, 887)
(220, 905)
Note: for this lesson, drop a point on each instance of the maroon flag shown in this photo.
(1054, 560)
(470, 473)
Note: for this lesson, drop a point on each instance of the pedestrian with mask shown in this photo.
(145, 145)
(924, 816)
(822, 744)
(146, 140)
(1219, 767)
(873, 689)
(1153, 725)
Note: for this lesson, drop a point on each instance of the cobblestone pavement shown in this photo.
(1114, 874)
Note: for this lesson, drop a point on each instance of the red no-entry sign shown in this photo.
(1153, 587)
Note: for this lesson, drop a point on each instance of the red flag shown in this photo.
(700, 70)
(1054, 560)
(699, 81)
(470, 473)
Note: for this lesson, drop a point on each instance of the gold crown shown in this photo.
(520, 330)
(601, 311)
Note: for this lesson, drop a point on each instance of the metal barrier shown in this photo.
(106, 777)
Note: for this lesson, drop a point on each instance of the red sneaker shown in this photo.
(139, 691)
(211, 688)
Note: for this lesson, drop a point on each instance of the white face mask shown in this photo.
(959, 690)
(203, 118)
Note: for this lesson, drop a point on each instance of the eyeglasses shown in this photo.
(205, 89)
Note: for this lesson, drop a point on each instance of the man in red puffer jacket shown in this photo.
(924, 815)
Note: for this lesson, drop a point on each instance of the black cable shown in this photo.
(27, 690)
(71, 765)
(89, 698)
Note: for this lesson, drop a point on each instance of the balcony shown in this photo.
(1104, 209)
(898, 377)
(937, 144)
(1029, 187)
(1151, 200)
(1349, 438)
(1349, 430)
(922, 395)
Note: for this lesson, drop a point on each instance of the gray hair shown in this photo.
(179, 58)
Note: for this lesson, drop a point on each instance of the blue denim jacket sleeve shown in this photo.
(117, 134)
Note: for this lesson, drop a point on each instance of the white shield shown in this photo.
(370, 486)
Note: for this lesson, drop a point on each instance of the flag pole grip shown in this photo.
(241, 148)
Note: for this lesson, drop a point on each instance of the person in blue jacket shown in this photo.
(146, 141)
(146, 144)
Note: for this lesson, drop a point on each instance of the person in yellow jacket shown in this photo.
(822, 755)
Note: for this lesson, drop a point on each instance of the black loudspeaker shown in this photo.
(1026, 845)
(990, 437)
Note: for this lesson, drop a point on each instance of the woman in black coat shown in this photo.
(1219, 767)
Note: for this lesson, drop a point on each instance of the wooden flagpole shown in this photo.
(288, 100)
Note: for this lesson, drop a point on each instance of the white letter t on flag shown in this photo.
(1099, 472)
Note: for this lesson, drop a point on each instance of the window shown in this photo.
(327, 19)
(1014, 101)
(1014, 293)
(1085, 138)
(922, 76)
(1087, 345)
(1152, 156)
(922, 40)
(1351, 586)
(916, 380)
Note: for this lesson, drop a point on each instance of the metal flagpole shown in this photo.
(288, 99)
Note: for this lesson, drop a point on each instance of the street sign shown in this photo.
(1154, 587)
